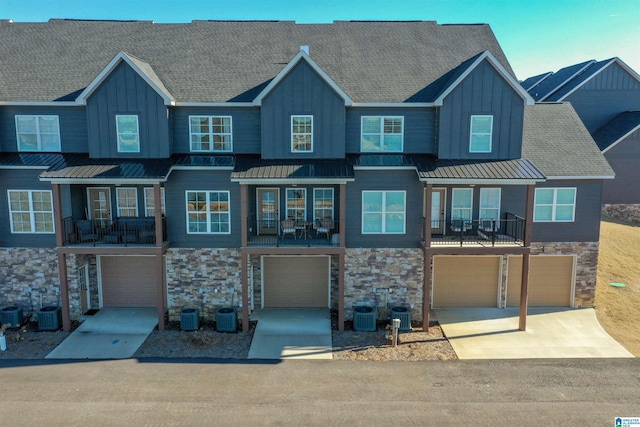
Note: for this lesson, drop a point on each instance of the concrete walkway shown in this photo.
(492, 333)
(291, 334)
(112, 333)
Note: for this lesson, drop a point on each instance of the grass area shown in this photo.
(618, 309)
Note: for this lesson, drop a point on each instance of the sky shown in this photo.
(536, 35)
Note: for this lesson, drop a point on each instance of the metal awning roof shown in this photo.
(517, 171)
(252, 169)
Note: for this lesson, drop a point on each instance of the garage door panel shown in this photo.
(296, 282)
(465, 281)
(129, 281)
(550, 280)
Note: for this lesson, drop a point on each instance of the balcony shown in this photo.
(285, 233)
(126, 231)
(481, 232)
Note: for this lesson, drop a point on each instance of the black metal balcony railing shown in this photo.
(123, 231)
(293, 233)
(483, 232)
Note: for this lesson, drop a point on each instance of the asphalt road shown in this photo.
(217, 393)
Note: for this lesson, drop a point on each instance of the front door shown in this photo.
(83, 288)
(437, 211)
(100, 205)
(267, 211)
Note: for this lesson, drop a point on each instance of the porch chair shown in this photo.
(487, 228)
(324, 227)
(86, 231)
(288, 226)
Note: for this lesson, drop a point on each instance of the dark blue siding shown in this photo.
(608, 94)
(624, 158)
(176, 212)
(12, 179)
(419, 127)
(303, 92)
(125, 92)
(245, 124)
(483, 92)
(384, 180)
(72, 120)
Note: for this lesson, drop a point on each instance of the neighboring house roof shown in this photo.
(253, 169)
(617, 129)
(558, 143)
(220, 61)
(535, 80)
(556, 80)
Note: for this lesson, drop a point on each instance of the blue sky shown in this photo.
(536, 35)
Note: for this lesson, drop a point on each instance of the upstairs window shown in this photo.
(481, 134)
(31, 211)
(301, 134)
(210, 133)
(554, 205)
(462, 203)
(149, 201)
(208, 212)
(383, 212)
(322, 203)
(489, 203)
(382, 134)
(297, 204)
(127, 201)
(128, 134)
(38, 133)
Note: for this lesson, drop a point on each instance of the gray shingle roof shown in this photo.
(220, 61)
(617, 128)
(555, 139)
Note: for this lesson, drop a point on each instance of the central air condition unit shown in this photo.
(49, 318)
(12, 316)
(189, 319)
(226, 319)
(364, 319)
(404, 314)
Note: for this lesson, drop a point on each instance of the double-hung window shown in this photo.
(489, 204)
(481, 134)
(462, 203)
(149, 201)
(31, 211)
(210, 133)
(383, 212)
(128, 134)
(382, 134)
(301, 134)
(38, 133)
(127, 201)
(297, 204)
(208, 212)
(554, 205)
(322, 203)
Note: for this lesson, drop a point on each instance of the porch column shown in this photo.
(62, 258)
(157, 213)
(244, 197)
(426, 264)
(244, 264)
(160, 266)
(428, 190)
(524, 287)
(343, 214)
(341, 290)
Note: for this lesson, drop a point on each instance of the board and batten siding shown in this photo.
(13, 179)
(483, 92)
(609, 93)
(384, 180)
(72, 122)
(176, 208)
(623, 158)
(124, 92)
(419, 127)
(303, 92)
(245, 127)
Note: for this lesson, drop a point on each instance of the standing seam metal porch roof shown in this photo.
(253, 168)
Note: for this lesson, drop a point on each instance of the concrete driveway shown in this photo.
(492, 333)
(291, 334)
(112, 333)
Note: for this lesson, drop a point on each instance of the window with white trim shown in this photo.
(127, 201)
(481, 134)
(383, 212)
(210, 133)
(31, 211)
(149, 201)
(208, 212)
(462, 203)
(489, 204)
(297, 204)
(38, 133)
(554, 205)
(322, 203)
(301, 134)
(128, 134)
(382, 134)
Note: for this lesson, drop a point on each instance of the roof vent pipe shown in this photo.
(305, 49)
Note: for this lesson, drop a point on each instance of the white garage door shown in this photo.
(550, 280)
(129, 281)
(295, 281)
(466, 281)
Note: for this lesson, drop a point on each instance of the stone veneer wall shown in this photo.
(395, 273)
(586, 267)
(28, 278)
(627, 213)
(202, 278)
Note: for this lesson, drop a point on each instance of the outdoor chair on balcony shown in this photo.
(86, 231)
(288, 226)
(487, 228)
(324, 227)
(459, 226)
